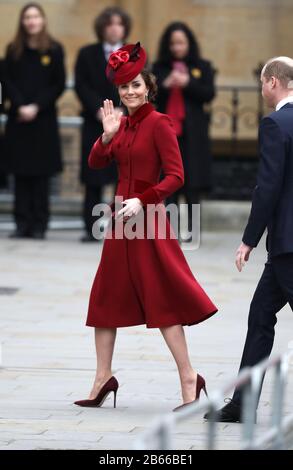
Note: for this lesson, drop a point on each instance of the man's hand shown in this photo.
(242, 255)
(132, 207)
(27, 112)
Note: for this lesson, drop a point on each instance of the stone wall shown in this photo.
(236, 35)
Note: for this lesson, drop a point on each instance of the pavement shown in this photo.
(48, 355)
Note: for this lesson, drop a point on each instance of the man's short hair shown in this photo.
(280, 68)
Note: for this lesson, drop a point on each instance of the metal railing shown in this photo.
(63, 121)
(233, 114)
(230, 115)
(237, 112)
(160, 434)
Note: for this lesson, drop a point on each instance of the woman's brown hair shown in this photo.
(17, 45)
(151, 82)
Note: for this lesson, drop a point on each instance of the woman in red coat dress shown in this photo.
(141, 280)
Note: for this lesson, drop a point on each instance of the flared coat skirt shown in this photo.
(146, 280)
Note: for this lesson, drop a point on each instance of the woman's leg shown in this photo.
(105, 342)
(175, 338)
(22, 203)
(40, 203)
(93, 196)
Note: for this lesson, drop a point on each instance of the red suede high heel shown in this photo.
(110, 386)
(200, 385)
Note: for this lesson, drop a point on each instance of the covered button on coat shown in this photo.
(144, 280)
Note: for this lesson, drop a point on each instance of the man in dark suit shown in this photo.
(272, 208)
(112, 27)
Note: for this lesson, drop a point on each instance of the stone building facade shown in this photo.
(236, 35)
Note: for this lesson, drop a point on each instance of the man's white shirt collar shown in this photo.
(288, 99)
(108, 48)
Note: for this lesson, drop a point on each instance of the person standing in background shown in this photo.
(92, 86)
(3, 178)
(34, 78)
(185, 84)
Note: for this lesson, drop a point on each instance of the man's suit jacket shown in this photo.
(272, 202)
(92, 87)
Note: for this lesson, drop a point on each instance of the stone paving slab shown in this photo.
(48, 355)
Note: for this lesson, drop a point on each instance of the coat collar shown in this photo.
(284, 101)
(287, 105)
(140, 113)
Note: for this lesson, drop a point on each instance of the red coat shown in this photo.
(145, 280)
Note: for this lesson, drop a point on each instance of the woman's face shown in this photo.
(179, 44)
(33, 21)
(133, 93)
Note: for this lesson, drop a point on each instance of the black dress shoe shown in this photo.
(19, 233)
(230, 413)
(38, 235)
(88, 238)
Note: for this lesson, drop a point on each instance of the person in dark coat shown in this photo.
(34, 78)
(185, 85)
(271, 209)
(3, 177)
(112, 27)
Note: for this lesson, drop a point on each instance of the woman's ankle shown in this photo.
(103, 375)
(189, 376)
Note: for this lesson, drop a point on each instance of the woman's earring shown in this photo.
(120, 102)
(147, 97)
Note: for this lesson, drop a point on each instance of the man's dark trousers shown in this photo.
(273, 292)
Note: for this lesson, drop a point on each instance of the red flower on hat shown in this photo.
(118, 58)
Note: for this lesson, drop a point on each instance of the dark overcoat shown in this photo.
(34, 148)
(92, 87)
(3, 178)
(272, 202)
(196, 149)
(145, 280)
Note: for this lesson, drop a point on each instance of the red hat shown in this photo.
(126, 63)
